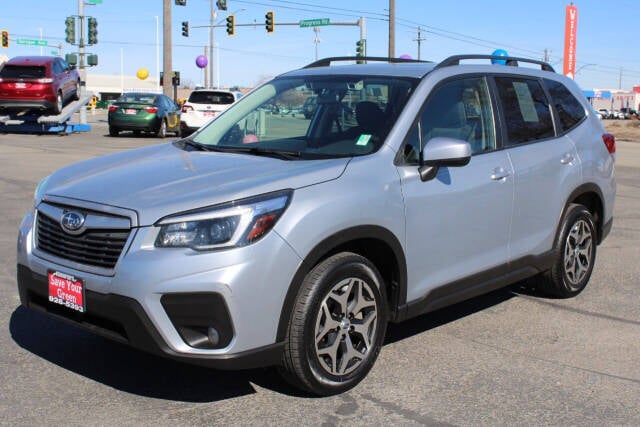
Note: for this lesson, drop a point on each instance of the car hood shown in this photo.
(163, 179)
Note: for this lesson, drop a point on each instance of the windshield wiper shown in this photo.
(278, 154)
(196, 145)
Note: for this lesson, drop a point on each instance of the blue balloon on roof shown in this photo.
(499, 52)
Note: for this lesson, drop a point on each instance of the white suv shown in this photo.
(265, 239)
(202, 106)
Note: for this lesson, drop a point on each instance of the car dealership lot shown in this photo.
(508, 358)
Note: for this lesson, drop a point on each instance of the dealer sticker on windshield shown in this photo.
(66, 290)
(363, 139)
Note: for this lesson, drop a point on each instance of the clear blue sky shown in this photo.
(607, 38)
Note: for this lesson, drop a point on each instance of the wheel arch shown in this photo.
(590, 196)
(377, 244)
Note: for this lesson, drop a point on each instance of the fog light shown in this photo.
(214, 336)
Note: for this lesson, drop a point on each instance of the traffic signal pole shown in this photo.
(167, 66)
(82, 66)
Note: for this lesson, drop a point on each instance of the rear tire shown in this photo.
(76, 95)
(113, 131)
(575, 255)
(337, 326)
(162, 130)
(57, 108)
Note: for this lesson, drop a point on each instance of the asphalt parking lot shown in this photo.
(507, 358)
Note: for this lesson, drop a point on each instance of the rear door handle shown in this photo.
(566, 159)
(499, 174)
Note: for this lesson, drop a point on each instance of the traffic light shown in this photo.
(361, 49)
(231, 25)
(70, 30)
(5, 38)
(71, 58)
(92, 60)
(93, 30)
(269, 22)
(185, 28)
(222, 4)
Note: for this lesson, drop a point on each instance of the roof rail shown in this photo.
(327, 61)
(511, 61)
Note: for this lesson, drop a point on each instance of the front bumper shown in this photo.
(124, 320)
(153, 298)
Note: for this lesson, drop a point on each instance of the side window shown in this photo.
(526, 109)
(55, 67)
(459, 109)
(569, 109)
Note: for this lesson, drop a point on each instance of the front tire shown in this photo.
(576, 255)
(337, 326)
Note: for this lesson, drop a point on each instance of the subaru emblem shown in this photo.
(72, 221)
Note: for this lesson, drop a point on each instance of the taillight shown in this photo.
(112, 108)
(186, 108)
(610, 141)
(151, 109)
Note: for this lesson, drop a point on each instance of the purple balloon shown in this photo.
(405, 56)
(201, 61)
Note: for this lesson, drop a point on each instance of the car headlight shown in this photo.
(40, 189)
(232, 224)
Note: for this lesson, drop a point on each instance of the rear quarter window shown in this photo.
(525, 108)
(570, 110)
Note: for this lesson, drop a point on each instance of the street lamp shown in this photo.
(584, 66)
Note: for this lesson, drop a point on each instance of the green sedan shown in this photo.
(144, 112)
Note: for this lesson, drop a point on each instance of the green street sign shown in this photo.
(95, 1)
(32, 42)
(314, 22)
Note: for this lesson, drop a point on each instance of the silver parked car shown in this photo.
(265, 239)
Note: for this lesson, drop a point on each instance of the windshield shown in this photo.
(312, 117)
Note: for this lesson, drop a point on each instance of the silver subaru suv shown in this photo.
(271, 238)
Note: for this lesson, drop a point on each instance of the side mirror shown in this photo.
(445, 152)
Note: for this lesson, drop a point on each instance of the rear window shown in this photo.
(211, 98)
(133, 98)
(23, 72)
(526, 109)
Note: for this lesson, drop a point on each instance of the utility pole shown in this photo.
(546, 55)
(392, 28)
(419, 39)
(620, 79)
(212, 16)
(206, 74)
(167, 66)
(316, 39)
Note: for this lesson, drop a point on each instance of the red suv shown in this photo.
(43, 82)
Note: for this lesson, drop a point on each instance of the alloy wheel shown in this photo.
(345, 329)
(577, 252)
